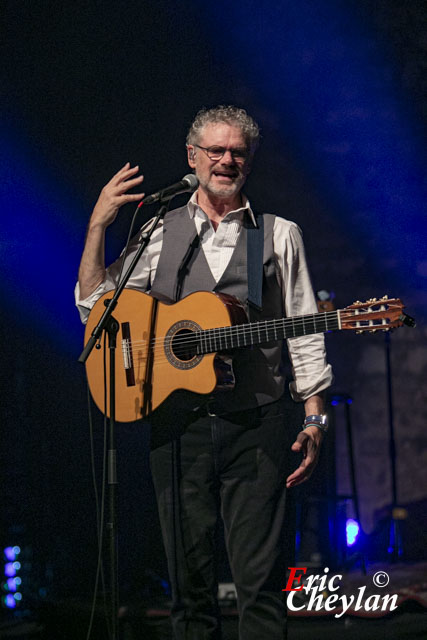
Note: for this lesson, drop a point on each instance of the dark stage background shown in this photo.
(339, 92)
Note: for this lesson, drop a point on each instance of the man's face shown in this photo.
(222, 177)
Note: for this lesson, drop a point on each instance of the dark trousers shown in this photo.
(232, 466)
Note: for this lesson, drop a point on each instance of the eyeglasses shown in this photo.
(216, 153)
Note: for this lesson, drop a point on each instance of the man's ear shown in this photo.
(191, 156)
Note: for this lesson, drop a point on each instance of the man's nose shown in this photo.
(227, 158)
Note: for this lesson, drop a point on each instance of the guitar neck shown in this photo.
(245, 335)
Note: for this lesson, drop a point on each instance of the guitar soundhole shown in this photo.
(181, 345)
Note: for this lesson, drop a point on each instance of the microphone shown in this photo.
(188, 183)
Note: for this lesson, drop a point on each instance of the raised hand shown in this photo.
(114, 195)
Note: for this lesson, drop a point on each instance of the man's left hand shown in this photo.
(308, 443)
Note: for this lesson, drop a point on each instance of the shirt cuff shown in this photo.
(84, 305)
(301, 391)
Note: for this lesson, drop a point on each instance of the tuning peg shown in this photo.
(384, 297)
(373, 330)
(357, 302)
(360, 331)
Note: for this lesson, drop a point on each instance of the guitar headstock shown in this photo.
(374, 315)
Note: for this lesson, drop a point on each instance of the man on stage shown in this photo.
(229, 459)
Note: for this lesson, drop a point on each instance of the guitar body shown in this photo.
(155, 353)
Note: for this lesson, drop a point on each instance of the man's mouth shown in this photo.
(224, 175)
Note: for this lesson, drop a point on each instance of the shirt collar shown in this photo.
(193, 206)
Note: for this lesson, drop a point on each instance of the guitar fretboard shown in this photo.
(245, 335)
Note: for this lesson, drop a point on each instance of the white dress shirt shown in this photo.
(311, 372)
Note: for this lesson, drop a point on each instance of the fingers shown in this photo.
(114, 195)
(124, 173)
(301, 441)
(301, 474)
(130, 197)
(122, 187)
(123, 181)
(117, 176)
(306, 444)
(125, 167)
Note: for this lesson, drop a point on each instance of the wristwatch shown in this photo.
(316, 420)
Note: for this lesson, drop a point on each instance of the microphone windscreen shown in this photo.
(193, 183)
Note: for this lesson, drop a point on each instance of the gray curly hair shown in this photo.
(230, 115)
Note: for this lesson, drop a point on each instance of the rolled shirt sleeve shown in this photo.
(140, 278)
(311, 372)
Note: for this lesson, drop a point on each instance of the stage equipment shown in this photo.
(397, 513)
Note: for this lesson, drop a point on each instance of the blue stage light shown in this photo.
(12, 584)
(39, 244)
(10, 553)
(330, 84)
(13, 581)
(352, 529)
(9, 601)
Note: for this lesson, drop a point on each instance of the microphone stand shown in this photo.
(395, 546)
(395, 549)
(110, 325)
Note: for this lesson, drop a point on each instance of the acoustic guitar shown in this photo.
(162, 347)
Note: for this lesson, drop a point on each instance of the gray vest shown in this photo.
(183, 269)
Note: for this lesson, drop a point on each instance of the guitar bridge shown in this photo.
(127, 354)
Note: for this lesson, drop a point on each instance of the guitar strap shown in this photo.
(255, 254)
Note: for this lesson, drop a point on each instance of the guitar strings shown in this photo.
(243, 330)
(230, 331)
(247, 329)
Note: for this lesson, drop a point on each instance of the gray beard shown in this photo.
(224, 192)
